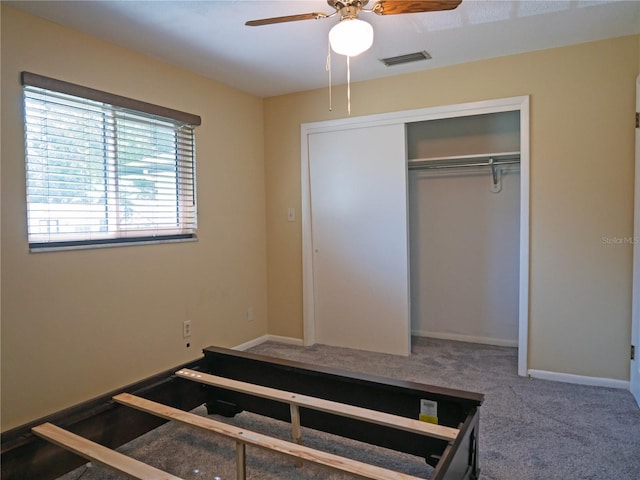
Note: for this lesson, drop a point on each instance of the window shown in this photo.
(104, 169)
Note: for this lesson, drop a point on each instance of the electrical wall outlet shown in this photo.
(186, 328)
(250, 314)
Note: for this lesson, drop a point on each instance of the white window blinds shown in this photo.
(105, 169)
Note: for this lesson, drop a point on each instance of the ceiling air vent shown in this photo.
(408, 58)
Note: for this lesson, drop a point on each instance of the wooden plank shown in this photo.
(241, 462)
(99, 454)
(342, 409)
(354, 467)
(296, 432)
(295, 423)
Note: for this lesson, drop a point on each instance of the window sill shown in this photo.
(42, 248)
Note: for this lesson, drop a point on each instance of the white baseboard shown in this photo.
(579, 379)
(287, 340)
(466, 338)
(251, 343)
(268, 338)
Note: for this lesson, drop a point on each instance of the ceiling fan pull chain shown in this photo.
(348, 85)
(328, 69)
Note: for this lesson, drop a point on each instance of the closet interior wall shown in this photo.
(464, 238)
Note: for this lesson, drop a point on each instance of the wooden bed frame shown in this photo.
(371, 409)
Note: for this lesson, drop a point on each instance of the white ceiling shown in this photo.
(209, 37)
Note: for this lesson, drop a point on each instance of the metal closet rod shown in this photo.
(493, 160)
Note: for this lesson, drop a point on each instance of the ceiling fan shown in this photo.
(352, 36)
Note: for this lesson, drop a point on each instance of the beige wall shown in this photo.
(76, 324)
(582, 144)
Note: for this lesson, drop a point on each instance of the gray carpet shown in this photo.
(529, 429)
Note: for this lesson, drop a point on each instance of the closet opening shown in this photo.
(464, 227)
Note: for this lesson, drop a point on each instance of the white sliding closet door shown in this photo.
(358, 183)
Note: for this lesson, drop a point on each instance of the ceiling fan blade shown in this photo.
(395, 7)
(288, 18)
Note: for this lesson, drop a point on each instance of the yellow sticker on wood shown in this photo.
(428, 418)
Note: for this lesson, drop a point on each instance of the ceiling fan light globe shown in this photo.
(351, 37)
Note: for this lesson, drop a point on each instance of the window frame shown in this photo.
(120, 236)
